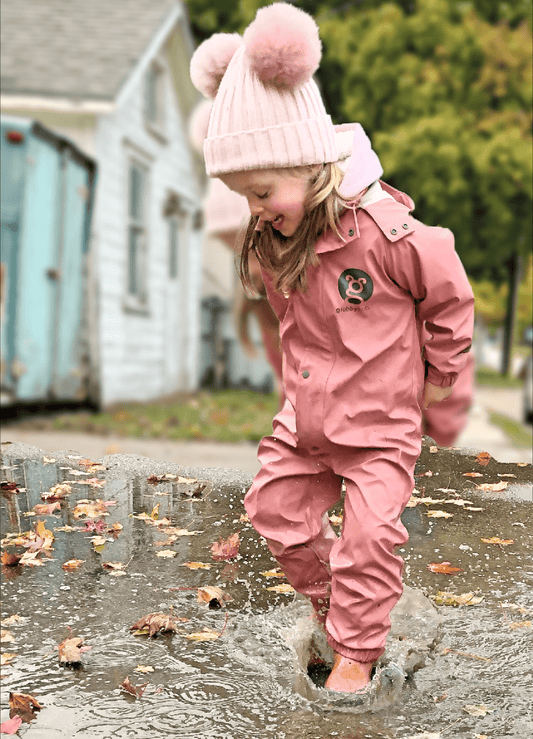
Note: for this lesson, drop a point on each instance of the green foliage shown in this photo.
(446, 98)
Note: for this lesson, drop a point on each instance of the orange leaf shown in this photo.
(73, 564)
(443, 568)
(44, 534)
(213, 596)
(23, 703)
(483, 458)
(226, 549)
(197, 565)
(496, 540)
(46, 509)
(10, 560)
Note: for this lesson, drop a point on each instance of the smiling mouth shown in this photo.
(276, 223)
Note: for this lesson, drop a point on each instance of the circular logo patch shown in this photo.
(355, 286)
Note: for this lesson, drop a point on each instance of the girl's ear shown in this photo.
(210, 61)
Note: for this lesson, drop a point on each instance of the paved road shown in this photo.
(479, 434)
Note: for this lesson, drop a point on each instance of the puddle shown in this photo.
(245, 684)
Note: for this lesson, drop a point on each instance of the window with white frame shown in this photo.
(154, 102)
(178, 219)
(137, 230)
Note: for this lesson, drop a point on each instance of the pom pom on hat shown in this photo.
(199, 123)
(210, 61)
(283, 45)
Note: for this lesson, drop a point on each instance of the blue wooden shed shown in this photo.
(46, 197)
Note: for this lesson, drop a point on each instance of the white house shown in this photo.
(113, 77)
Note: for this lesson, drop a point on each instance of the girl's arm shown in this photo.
(426, 264)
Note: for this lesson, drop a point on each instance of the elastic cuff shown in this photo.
(440, 380)
(359, 655)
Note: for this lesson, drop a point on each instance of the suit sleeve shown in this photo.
(426, 264)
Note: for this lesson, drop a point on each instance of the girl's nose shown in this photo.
(255, 209)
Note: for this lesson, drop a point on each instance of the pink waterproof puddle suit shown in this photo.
(353, 378)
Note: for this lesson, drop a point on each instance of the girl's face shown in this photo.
(275, 196)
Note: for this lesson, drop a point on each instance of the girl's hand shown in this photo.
(435, 394)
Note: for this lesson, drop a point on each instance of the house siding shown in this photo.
(134, 348)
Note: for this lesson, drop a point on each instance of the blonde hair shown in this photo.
(288, 258)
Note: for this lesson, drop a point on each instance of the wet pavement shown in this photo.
(204, 683)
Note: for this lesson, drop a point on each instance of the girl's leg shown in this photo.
(366, 572)
(287, 504)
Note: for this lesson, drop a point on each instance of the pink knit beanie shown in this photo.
(267, 110)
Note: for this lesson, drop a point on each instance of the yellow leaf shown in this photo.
(12, 620)
(439, 514)
(335, 520)
(478, 710)
(520, 625)
(273, 573)
(493, 487)
(168, 553)
(197, 565)
(73, 564)
(144, 668)
(7, 657)
(206, 635)
(6, 636)
(283, 588)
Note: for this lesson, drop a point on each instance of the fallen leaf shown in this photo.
(15, 618)
(6, 636)
(273, 573)
(443, 568)
(197, 565)
(215, 597)
(94, 482)
(505, 474)
(520, 625)
(98, 543)
(469, 508)
(493, 487)
(73, 564)
(70, 650)
(513, 607)
(282, 588)
(10, 560)
(500, 542)
(433, 449)
(154, 623)
(46, 509)
(11, 726)
(226, 549)
(472, 474)
(439, 514)
(205, 635)
(483, 458)
(57, 492)
(454, 599)
(144, 669)
(166, 553)
(155, 511)
(425, 735)
(7, 657)
(23, 703)
(137, 691)
(458, 501)
(429, 473)
(478, 710)
(114, 566)
(245, 518)
(44, 537)
(447, 650)
(116, 528)
(335, 520)
(98, 526)
(48, 460)
(90, 509)
(522, 464)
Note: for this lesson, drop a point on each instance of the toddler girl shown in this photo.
(353, 277)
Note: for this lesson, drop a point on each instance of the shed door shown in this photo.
(38, 270)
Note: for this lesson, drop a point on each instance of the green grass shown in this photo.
(227, 415)
(518, 434)
(487, 377)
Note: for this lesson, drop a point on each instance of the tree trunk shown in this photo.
(515, 270)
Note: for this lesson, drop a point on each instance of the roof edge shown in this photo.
(55, 104)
